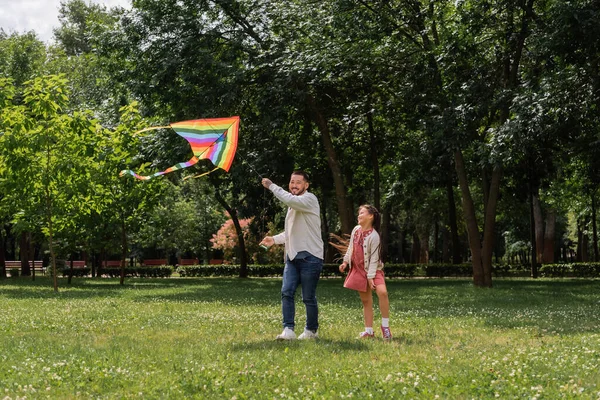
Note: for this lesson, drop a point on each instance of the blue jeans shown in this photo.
(303, 270)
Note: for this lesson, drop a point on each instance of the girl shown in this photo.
(363, 257)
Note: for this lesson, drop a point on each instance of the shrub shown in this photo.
(445, 270)
(159, 271)
(276, 270)
(214, 270)
(579, 270)
(575, 270)
(77, 272)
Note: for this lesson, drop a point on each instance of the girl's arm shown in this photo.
(348, 254)
(373, 254)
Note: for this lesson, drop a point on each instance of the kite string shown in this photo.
(151, 129)
(199, 175)
(251, 167)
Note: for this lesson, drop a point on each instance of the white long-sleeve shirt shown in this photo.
(302, 223)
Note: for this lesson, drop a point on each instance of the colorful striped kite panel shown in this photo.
(214, 139)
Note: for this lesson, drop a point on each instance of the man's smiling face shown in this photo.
(298, 185)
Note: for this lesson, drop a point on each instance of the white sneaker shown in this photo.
(308, 335)
(287, 334)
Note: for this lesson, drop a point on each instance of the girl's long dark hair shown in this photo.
(376, 216)
(341, 243)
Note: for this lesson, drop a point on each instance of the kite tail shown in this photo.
(175, 167)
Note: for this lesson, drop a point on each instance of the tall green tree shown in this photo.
(45, 155)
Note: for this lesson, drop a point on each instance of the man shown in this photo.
(303, 253)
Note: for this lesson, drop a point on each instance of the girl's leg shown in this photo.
(384, 308)
(384, 301)
(367, 301)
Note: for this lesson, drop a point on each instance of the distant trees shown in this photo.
(408, 105)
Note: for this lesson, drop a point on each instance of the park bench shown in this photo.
(112, 263)
(216, 261)
(188, 261)
(157, 261)
(76, 264)
(17, 264)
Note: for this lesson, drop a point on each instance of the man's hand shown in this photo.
(268, 241)
(266, 182)
(371, 284)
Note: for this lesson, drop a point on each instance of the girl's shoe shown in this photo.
(387, 334)
(366, 335)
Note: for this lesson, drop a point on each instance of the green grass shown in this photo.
(213, 338)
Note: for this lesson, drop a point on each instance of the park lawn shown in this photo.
(213, 338)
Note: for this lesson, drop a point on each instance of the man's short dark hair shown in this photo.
(301, 173)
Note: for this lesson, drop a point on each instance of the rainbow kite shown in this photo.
(214, 139)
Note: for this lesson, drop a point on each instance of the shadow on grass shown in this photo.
(326, 344)
(42, 288)
(233, 291)
(565, 305)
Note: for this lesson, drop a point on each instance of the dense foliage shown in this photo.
(472, 125)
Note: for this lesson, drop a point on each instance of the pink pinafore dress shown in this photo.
(357, 277)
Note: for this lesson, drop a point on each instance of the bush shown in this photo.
(276, 270)
(14, 272)
(578, 270)
(573, 270)
(221, 270)
(159, 271)
(78, 272)
(444, 270)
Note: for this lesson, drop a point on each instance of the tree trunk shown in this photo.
(85, 258)
(12, 250)
(471, 220)
(548, 255)
(329, 251)
(238, 229)
(585, 256)
(2, 254)
(94, 263)
(594, 226)
(579, 251)
(539, 227)
(385, 233)
(445, 245)
(343, 203)
(489, 230)
(123, 250)
(24, 245)
(456, 256)
(70, 269)
(436, 241)
(401, 243)
(51, 241)
(241, 244)
(32, 255)
(423, 232)
(415, 249)
(532, 230)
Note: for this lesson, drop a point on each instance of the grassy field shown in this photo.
(213, 338)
